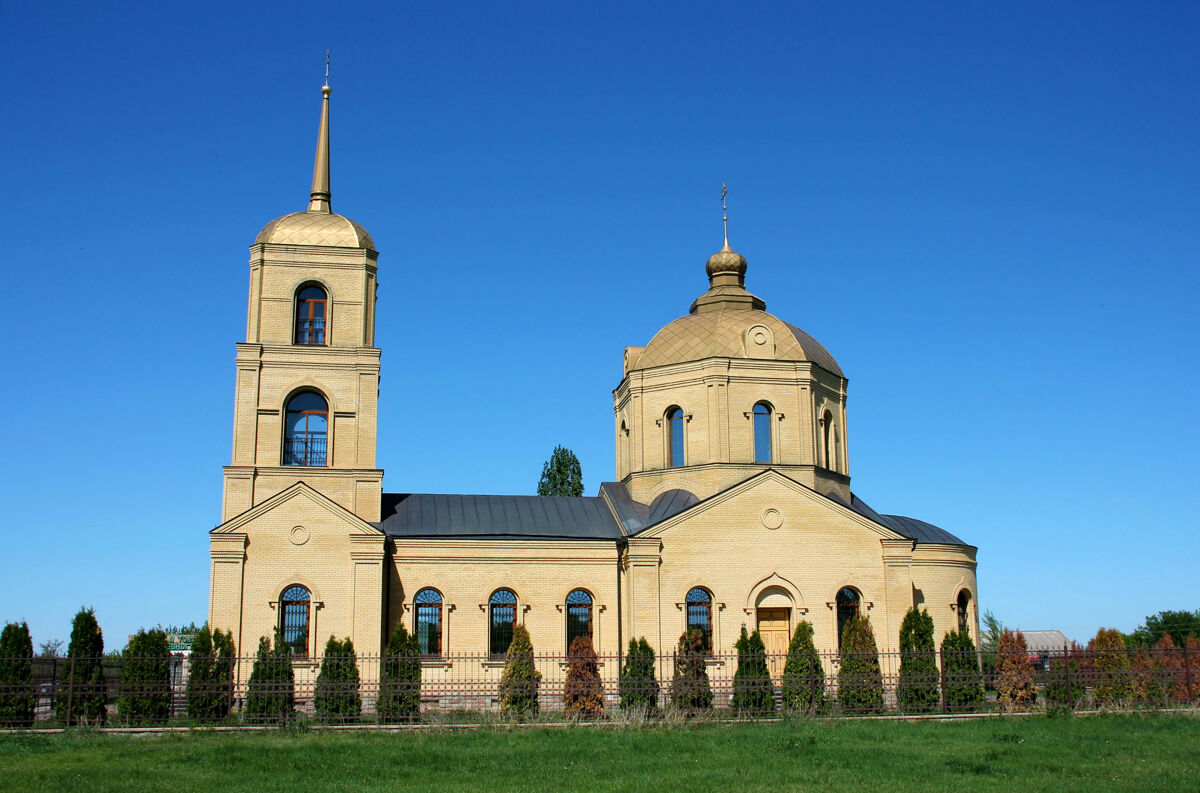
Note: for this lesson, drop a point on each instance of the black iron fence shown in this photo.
(175, 690)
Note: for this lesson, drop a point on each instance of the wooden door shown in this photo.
(775, 628)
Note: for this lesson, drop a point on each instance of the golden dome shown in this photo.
(315, 228)
(726, 260)
(732, 333)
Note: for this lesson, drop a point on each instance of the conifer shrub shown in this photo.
(82, 698)
(1066, 681)
(145, 679)
(961, 679)
(1112, 680)
(337, 699)
(860, 683)
(271, 690)
(520, 679)
(1015, 688)
(917, 690)
(400, 687)
(1158, 678)
(583, 695)
(210, 675)
(16, 676)
(639, 685)
(753, 691)
(690, 690)
(803, 675)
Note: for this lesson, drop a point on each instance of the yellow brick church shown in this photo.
(731, 504)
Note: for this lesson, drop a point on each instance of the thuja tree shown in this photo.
(83, 696)
(803, 676)
(400, 688)
(961, 679)
(860, 684)
(336, 698)
(1112, 682)
(753, 691)
(210, 675)
(582, 694)
(520, 679)
(690, 691)
(1015, 688)
(639, 686)
(145, 679)
(271, 690)
(561, 474)
(16, 676)
(1066, 684)
(917, 691)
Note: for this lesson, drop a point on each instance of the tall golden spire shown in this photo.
(319, 200)
(725, 215)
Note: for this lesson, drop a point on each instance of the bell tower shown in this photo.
(307, 386)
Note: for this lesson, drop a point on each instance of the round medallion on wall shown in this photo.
(760, 336)
(298, 535)
(772, 518)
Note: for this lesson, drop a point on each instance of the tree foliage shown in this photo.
(753, 691)
(1015, 688)
(1066, 680)
(561, 474)
(337, 698)
(917, 691)
(145, 679)
(690, 690)
(271, 690)
(400, 694)
(210, 675)
(83, 697)
(860, 683)
(961, 680)
(16, 676)
(1179, 624)
(639, 685)
(803, 675)
(1112, 678)
(582, 694)
(520, 679)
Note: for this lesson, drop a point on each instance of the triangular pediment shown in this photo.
(300, 490)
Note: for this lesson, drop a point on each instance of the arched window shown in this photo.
(502, 613)
(827, 428)
(311, 313)
(699, 614)
(762, 433)
(293, 619)
(428, 619)
(579, 615)
(964, 612)
(848, 604)
(675, 449)
(305, 429)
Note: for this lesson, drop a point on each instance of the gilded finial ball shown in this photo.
(726, 260)
(326, 90)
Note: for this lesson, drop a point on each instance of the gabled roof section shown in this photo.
(450, 516)
(914, 529)
(298, 490)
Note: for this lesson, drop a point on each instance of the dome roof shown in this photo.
(722, 334)
(315, 228)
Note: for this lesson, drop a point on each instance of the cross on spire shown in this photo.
(725, 213)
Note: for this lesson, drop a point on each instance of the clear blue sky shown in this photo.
(988, 213)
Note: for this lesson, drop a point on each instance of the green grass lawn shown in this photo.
(1091, 753)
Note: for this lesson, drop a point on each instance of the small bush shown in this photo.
(1066, 681)
(16, 676)
(337, 698)
(271, 690)
(803, 676)
(84, 689)
(860, 684)
(1112, 681)
(210, 675)
(582, 693)
(961, 680)
(690, 690)
(753, 691)
(1014, 673)
(639, 685)
(520, 680)
(400, 688)
(145, 679)
(917, 691)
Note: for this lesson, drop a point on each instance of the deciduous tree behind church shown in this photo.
(561, 474)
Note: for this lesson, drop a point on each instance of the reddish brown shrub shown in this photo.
(1014, 673)
(583, 694)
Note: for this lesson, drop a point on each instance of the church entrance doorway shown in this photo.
(775, 629)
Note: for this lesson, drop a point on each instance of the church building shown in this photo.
(731, 504)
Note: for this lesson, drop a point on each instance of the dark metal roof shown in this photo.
(670, 502)
(911, 528)
(460, 516)
(634, 515)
